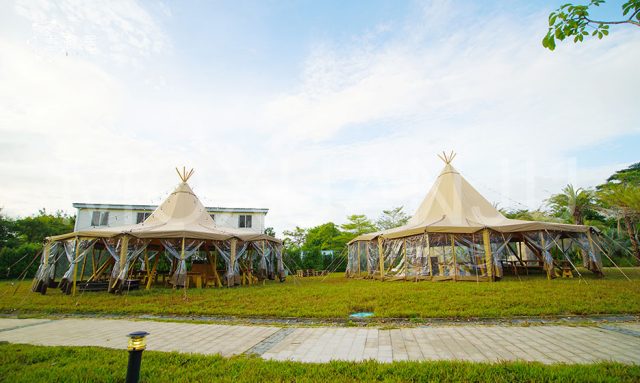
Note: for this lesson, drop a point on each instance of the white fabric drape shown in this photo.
(179, 276)
(84, 247)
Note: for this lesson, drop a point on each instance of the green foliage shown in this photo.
(630, 175)
(572, 203)
(529, 215)
(327, 237)
(337, 297)
(14, 260)
(392, 218)
(27, 363)
(574, 21)
(21, 239)
(619, 197)
(270, 231)
(358, 224)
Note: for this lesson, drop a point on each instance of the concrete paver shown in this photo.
(491, 343)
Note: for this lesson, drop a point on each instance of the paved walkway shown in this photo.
(546, 344)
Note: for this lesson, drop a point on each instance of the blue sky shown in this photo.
(313, 109)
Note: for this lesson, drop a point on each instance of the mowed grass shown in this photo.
(25, 363)
(337, 297)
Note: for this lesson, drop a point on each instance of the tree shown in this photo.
(620, 197)
(6, 230)
(358, 224)
(392, 218)
(574, 20)
(270, 231)
(323, 237)
(35, 229)
(574, 203)
(22, 238)
(296, 237)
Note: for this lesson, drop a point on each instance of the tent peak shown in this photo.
(447, 158)
(184, 175)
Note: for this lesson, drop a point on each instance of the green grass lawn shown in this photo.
(337, 297)
(25, 363)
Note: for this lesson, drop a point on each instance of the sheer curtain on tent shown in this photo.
(265, 263)
(83, 246)
(46, 271)
(544, 242)
(591, 259)
(174, 248)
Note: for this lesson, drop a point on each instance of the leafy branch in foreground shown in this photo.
(574, 21)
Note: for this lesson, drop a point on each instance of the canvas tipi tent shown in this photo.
(180, 229)
(457, 234)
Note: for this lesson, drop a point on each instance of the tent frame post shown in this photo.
(358, 257)
(594, 251)
(550, 268)
(429, 263)
(453, 254)
(152, 274)
(75, 266)
(381, 258)
(232, 263)
(186, 276)
(486, 239)
(404, 255)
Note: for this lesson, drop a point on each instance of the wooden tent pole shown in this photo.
(153, 273)
(549, 267)
(75, 266)
(215, 268)
(453, 254)
(429, 263)
(486, 239)
(101, 269)
(380, 258)
(186, 277)
(84, 263)
(358, 257)
(593, 250)
(232, 262)
(404, 256)
(146, 261)
(124, 248)
(93, 260)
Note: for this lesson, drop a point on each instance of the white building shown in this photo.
(101, 214)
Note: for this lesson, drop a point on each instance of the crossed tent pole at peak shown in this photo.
(184, 175)
(447, 158)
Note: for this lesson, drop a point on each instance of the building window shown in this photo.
(244, 221)
(141, 217)
(100, 218)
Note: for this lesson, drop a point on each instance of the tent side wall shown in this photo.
(478, 256)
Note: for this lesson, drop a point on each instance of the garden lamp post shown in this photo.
(136, 346)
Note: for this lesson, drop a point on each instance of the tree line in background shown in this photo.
(612, 207)
(21, 239)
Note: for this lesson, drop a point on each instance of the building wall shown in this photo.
(119, 217)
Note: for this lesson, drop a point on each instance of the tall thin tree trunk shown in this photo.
(632, 236)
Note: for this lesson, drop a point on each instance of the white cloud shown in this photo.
(513, 111)
(358, 133)
(120, 31)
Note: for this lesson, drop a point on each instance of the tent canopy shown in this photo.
(181, 215)
(454, 206)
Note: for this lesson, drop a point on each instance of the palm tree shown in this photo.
(624, 201)
(575, 203)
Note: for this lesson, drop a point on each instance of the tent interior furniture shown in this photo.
(179, 242)
(456, 234)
